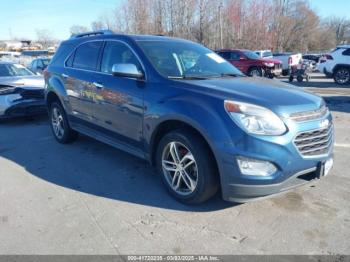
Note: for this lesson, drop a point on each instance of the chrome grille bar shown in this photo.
(314, 142)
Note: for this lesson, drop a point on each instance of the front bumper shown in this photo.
(22, 104)
(293, 168)
(277, 71)
(242, 193)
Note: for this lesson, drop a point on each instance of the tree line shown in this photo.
(280, 25)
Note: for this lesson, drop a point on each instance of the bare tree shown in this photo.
(281, 25)
(44, 37)
(78, 29)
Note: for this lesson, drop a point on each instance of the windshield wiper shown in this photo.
(188, 77)
(230, 75)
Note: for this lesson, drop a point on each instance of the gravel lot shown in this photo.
(89, 198)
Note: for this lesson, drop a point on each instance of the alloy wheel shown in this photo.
(57, 123)
(342, 76)
(180, 168)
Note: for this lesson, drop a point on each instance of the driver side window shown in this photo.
(117, 53)
(235, 56)
(188, 59)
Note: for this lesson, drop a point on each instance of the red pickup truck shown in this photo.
(250, 63)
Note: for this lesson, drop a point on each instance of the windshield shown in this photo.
(14, 70)
(186, 60)
(250, 54)
(267, 54)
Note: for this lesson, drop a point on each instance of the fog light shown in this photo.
(253, 167)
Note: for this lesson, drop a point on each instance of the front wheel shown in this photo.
(255, 72)
(187, 167)
(342, 76)
(60, 126)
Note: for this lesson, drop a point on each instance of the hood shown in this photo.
(279, 97)
(33, 81)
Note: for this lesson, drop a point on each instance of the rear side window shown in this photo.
(86, 55)
(61, 54)
(347, 52)
(235, 56)
(225, 55)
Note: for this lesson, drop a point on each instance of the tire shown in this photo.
(60, 126)
(290, 79)
(202, 172)
(285, 72)
(255, 71)
(342, 76)
(300, 79)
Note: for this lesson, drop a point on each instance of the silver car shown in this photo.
(21, 91)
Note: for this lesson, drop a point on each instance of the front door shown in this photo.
(118, 105)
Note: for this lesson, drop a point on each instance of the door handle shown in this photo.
(97, 85)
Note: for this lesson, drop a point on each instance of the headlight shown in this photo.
(269, 64)
(255, 119)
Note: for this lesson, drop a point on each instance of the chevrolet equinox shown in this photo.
(195, 117)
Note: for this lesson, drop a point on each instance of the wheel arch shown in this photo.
(56, 91)
(340, 66)
(169, 125)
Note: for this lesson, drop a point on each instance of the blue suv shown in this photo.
(195, 117)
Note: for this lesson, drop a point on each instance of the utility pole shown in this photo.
(220, 25)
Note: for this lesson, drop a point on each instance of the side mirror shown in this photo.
(126, 70)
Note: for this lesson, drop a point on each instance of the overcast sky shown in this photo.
(21, 18)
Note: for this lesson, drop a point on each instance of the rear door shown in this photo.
(80, 79)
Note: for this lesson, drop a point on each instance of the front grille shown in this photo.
(278, 66)
(315, 142)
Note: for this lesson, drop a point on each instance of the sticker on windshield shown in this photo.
(216, 58)
(18, 66)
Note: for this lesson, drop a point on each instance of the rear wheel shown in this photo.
(187, 167)
(60, 126)
(300, 78)
(342, 75)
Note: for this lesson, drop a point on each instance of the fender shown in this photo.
(56, 86)
(200, 114)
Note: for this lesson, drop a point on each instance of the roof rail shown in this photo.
(93, 33)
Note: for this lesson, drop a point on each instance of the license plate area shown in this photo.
(324, 168)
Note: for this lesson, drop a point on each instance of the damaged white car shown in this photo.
(21, 91)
